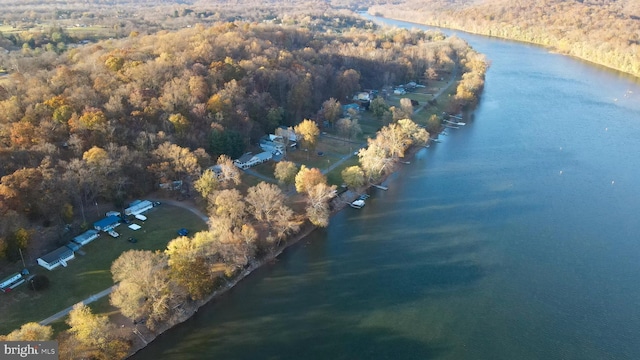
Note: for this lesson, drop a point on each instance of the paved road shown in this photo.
(66, 311)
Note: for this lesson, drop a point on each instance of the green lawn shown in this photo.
(334, 177)
(89, 274)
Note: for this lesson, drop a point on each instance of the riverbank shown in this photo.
(340, 202)
(622, 65)
(144, 336)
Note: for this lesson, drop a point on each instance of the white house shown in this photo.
(248, 160)
(287, 133)
(138, 207)
(86, 237)
(56, 258)
(272, 143)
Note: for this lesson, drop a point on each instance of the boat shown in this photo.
(363, 197)
(381, 187)
(357, 204)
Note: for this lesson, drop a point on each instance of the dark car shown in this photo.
(183, 232)
(132, 240)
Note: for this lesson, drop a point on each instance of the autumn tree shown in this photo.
(331, 110)
(375, 159)
(189, 268)
(285, 172)
(266, 204)
(353, 176)
(349, 128)
(228, 204)
(29, 332)
(318, 197)
(264, 200)
(382, 152)
(434, 123)
(174, 162)
(348, 83)
(229, 173)
(144, 289)
(96, 336)
(207, 183)
(180, 123)
(308, 131)
(307, 178)
(379, 107)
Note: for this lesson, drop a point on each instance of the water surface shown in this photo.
(514, 238)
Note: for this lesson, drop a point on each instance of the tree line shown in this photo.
(605, 32)
(112, 120)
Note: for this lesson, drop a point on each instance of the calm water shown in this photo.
(514, 238)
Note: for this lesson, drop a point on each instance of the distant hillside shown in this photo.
(605, 32)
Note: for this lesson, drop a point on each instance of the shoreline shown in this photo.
(142, 340)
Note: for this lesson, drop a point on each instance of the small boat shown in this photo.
(364, 197)
(358, 204)
(381, 187)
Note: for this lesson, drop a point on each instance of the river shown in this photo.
(514, 238)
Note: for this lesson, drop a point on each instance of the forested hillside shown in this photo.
(605, 32)
(111, 120)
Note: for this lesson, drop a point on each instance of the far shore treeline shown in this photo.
(112, 120)
(605, 32)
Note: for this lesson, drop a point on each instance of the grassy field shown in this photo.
(88, 274)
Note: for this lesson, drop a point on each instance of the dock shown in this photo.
(454, 123)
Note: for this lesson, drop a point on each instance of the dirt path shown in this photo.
(188, 205)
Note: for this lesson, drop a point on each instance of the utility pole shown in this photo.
(22, 257)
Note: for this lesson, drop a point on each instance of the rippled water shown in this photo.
(514, 238)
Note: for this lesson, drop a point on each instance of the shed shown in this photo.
(107, 223)
(86, 237)
(58, 257)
